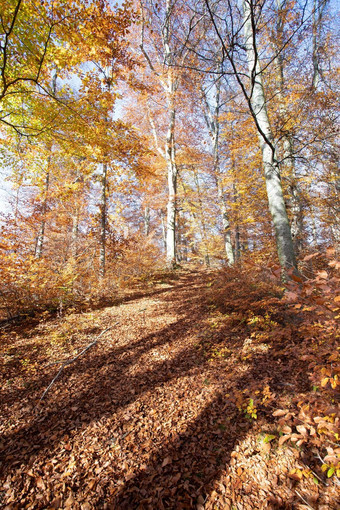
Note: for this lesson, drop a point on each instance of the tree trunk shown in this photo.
(318, 10)
(75, 232)
(41, 235)
(213, 123)
(103, 221)
(162, 215)
(225, 223)
(203, 227)
(170, 154)
(277, 206)
(146, 221)
(295, 204)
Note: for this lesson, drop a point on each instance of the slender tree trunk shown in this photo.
(203, 227)
(318, 10)
(169, 84)
(237, 243)
(170, 154)
(314, 227)
(146, 221)
(237, 251)
(277, 206)
(41, 235)
(295, 203)
(213, 123)
(162, 215)
(170, 148)
(225, 223)
(103, 222)
(216, 154)
(75, 232)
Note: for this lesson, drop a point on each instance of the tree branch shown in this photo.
(68, 362)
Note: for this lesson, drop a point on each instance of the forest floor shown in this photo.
(175, 407)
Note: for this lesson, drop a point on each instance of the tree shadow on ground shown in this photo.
(175, 463)
(30, 349)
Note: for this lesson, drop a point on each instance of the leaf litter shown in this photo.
(178, 406)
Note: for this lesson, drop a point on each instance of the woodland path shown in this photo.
(144, 419)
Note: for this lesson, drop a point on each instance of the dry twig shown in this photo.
(68, 362)
(304, 500)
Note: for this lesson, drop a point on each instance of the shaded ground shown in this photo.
(153, 416)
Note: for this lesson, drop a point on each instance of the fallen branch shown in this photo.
(304, 500)
(68, 362)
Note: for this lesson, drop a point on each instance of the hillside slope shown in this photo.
(181, 404)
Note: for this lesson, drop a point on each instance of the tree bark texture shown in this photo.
(277, 206)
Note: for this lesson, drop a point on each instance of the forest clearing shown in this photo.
(169, 254)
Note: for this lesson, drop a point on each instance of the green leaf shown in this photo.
(330, 472)
(268, 438)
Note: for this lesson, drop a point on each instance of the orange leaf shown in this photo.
(296, 474)
(308, 257)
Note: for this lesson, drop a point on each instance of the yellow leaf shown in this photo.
(324, 381)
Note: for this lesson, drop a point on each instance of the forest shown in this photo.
(169, 254)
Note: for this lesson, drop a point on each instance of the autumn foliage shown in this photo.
(169, 254)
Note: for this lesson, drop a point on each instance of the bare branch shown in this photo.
(68, 362)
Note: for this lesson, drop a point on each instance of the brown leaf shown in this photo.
(295, 474)
(280, 412)
(264, 447)
(166, 461)
(40, 483)
(283, 439)
(302, 429)
(291, 296)
(309, 257)
(176, 478)
(69, 502)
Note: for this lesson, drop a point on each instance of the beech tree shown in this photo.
(201, 131)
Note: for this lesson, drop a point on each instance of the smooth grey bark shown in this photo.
(225, 223)
(318, 11)
(288, 160)
(41, 234)
(237, 250)
(213, 123)
(237, 243)
(170, 152)
(162, 215)
(146, 218)
(75, 233)
(103, 221)
(315, 230)
(203, 227)
(169, 83)
(277, 206)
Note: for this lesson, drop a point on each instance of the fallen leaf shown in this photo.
(166, 461)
